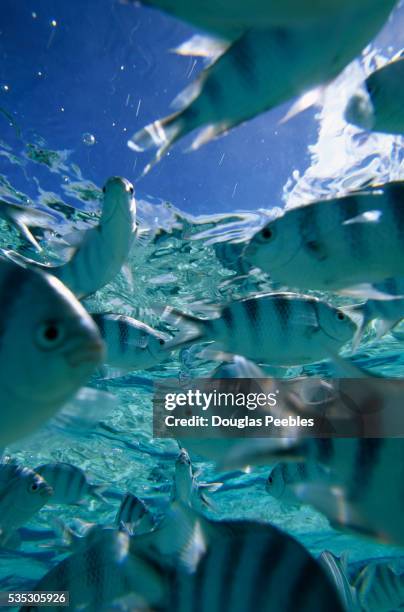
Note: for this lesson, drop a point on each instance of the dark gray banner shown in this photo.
(266, 407)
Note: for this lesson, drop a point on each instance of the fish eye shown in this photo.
(162, 342)
(266, 233)
(340, 316)
(49, 335)
(131, 190)
(270, 479)
(103, 189)
(33, 487)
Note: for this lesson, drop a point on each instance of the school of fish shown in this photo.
(261, 55)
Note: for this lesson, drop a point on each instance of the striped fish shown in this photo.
(130, 344)
(379, 104)
(252, 566)
(100, 571)
(234, 566)
(228, 17)
(69, 483)
(61, 348)
(134, 516)
(380, 588)
(367, 496)
(262, 69)
(335, 244)
(22, 494)
(285, 475)
(278, 329)
(104, 248)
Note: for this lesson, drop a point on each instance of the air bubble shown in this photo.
(88, 139)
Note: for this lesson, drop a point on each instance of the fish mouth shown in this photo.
(88, 352)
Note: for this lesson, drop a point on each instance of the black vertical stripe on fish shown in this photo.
(228, 319)
(395, 194)
(366, 459)
(283, 310)
(284, 473)
(100, 322)
(324, 449)
(82, 485)
(12, 282)
(309, 230)
(122, 335)
(271, 558)
(302, 469)
(242, 55)
(213, 89)
(231, 560)
(252, 308)
(306, 582)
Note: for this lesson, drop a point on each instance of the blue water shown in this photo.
(76, 80)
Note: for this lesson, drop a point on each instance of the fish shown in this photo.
(134, 516)
(388, 310)
(69, 483)
(101, 570)
(338, 571)
(186, 487)
(50, 346)
(335, 244)
(213, 555)
(22, 494)
(130, 344)
(228, 17)
(104, 249)
(22, 218)
(378, 105)
(380, 588)
(201, 573)
(260, 70)
(285, 475)
(277, 328)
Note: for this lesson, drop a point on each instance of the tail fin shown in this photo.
(194, 329)
(97, 492)
(22, 217)
(362, 316)
(161, 134)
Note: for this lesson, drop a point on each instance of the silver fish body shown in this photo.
(379, 105)
(100, 571)
(22, 494)
(186, 488)
(106, 247)
(335, 244)
(285, 475)
(252, 566)
(367, 494)
(277, 329)
(380, 588)
(130, 344)
(49, 348)
(69, 483)
(337, 570)
(262, 69)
